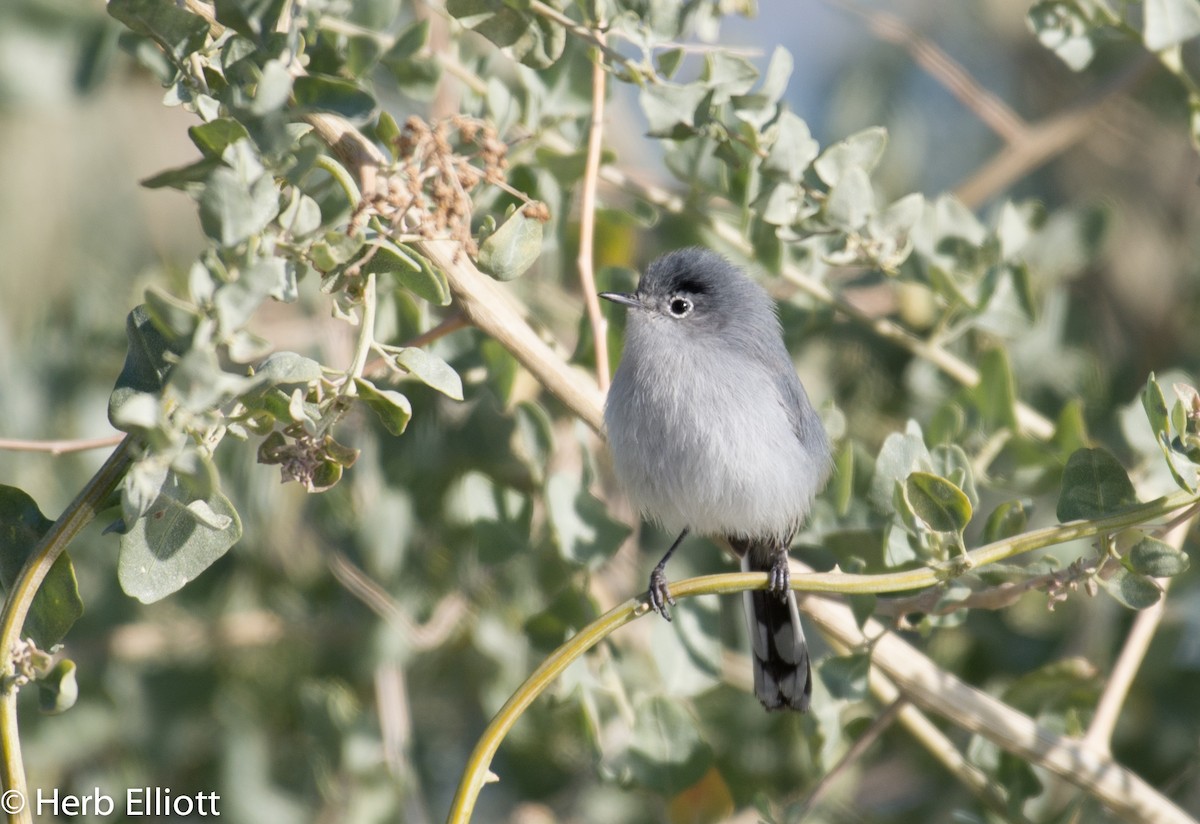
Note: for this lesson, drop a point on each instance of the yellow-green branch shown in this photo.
(16, 606)
(477, 770)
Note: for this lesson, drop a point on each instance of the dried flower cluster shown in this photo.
(315, 461)
(1060, 585)
(428, 191)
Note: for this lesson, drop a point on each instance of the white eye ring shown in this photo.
(680, 307)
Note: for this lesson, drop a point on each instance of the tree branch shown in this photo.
(60, 447)
(949, 73)
(927, 685)
(1045, 140)
(587, 222)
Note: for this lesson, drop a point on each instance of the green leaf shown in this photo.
(393, 408)
(1170, 22)
(411, 270)
(1156, 558)
(301, 216)
(1131, 589)
(1008, 519)
(851, 200)
(253, 18)
(952, 463)
(900, 455)
(786, 204)
(728, 75)
(58, 690)
(996, 393)
(146, 365)
(845, 676)
(671, 110)
(512, 248)
(429, 283)
(333, 94)
(289, 369)
(1155, 404)
(410, 40)
(417, 78)
(937, 502)
(177, 317)
(793, 149)
(585, 532)
(214, 137)
(1094, 484)
(173, 543)
(668, 62)
(843, 478)
(861, 151)
(387, 131)
(1070, 430)
(273, 89)
(862, 606)
(232, 210)
(533, 40)
(177, 31)
(188, 178)
(431, 370)
(533, 438)
(779, 71)
(502, 369)
(665, 749)
(57, 605)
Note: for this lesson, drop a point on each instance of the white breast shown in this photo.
(718, 454)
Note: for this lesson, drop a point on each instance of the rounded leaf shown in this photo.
(58, 690)
(1157, 559)
(1094, 484)
(512, 248)
(939, 503)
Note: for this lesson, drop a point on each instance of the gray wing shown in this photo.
(806, 423)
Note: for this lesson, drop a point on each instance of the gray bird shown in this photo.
(711, 432)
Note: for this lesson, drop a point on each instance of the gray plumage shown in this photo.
(712, 432)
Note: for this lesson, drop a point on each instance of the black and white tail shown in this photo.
(782, 677)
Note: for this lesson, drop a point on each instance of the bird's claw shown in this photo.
(660, 593)
(779, 579)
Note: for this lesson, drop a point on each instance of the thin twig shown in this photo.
(856, 751)
(948, 72)
(450, 324)
(937, 744)
(1046, 139)
(446, 617)
(594, 37)
(60, 447)
(587, 221)
(491, 309)
(1133, 652)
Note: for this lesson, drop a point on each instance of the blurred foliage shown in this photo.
(335, 656)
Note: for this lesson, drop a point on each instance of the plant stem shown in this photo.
(587, 222)
(74, 518)
(477, 772)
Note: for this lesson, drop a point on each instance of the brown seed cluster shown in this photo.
(1080, 572)
(428, 191)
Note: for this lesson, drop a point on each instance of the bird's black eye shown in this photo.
(680, 307)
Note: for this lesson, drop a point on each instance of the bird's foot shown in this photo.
(660, 593)
(780, 577)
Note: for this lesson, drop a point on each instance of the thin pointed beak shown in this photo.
(624, 298)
